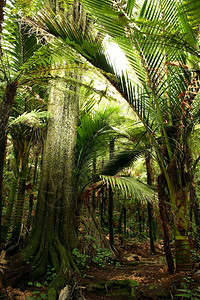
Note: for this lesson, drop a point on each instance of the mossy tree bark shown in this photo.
(164, 218)
(176, 191)
(22, 146)
(53, 236)
(9, 208)
(5, 110)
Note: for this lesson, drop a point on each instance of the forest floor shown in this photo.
(137, 267)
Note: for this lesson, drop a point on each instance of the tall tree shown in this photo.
(53, 237)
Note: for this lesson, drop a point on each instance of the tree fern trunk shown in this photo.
(164, 222)
(182, 245)
(9, 209)
(18, 215)
(5, 110)
(29, 221)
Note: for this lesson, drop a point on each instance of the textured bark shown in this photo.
(95, 230)
(18, 215)
(5, 110)
(164, 222)
(53, 236)
(9, 208)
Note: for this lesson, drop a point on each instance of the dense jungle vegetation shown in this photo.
(99, 149)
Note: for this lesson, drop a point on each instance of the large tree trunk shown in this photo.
(53, 237)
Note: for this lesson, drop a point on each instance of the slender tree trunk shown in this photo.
(149, 205)
(120, 219)
(53, 236)
(110, 202)
(9, 209)
(139, 217)
(5, 110)
(18, 215)
(94, 175)
(110, 215)
(125, 211)
(102, 203)
(30, 213)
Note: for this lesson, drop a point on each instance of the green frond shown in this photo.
(192, 7)
(19, 43)
(131, 187)
(30, 119)
(94, 132)
(122, 160)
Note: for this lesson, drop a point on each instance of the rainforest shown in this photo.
(99, 149)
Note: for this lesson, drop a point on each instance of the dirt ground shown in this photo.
(136, 263)
(140, 265)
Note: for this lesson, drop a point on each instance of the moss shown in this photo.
(121, 292)
(52, 294)
(127, 282)
(115, 288)
(92, 287)
(151, 287)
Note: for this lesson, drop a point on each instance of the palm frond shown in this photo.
(124, 159)
(94, 131)
(193, 9)
(19, 43)
(130, 186)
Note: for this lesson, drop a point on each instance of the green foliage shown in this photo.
(37, 295)
(131, 186)
(193, 9)
(100, 257)
(50, 275)
(81, 259)
(32, 119)
(187, 291)
(48, 278)
(195, 252)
